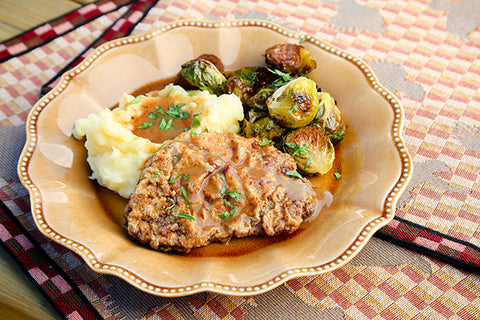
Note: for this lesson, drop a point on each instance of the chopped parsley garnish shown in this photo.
(303, 39)
(165, 125)
(341, 134)
(285, 78)
(153, 115)
(337, 175)
(175, 112)
(145, 125)
(183, 176)
(157, 174)
(295, 174)
(227, 214)
(298, 149)
(308, 162)
(195, 121)
(235, 195)
(185, 216)
(294, 108)
(223, 191)
(252, 77)
(265, 141)
(184, 194)
(222, 176)
(136, 100)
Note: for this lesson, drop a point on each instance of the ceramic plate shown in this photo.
(69, 208)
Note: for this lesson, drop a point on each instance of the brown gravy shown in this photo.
(114, 204)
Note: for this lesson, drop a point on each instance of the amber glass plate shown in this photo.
(71, 209)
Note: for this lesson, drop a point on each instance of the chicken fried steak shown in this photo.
(212, 187)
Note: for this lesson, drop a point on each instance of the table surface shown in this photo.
(17, 16)
(427, 140)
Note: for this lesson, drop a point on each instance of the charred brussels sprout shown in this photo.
(290, 58)
(259, 100)
(242, 83)
(264, 128)
(312, 150)
(295, 104)
(329, 117)
(202, 74)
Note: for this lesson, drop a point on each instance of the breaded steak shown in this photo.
(213, 186)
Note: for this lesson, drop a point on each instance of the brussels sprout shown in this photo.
(329, 117)
(213, 59)
(265, 129)
(259, 100)
(202, 74)
(290, 58)
(295, 104)
(241, 83)
(312, 150)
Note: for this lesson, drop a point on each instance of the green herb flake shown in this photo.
(235, 195)
(303, 39)
(222, 176)
(153, 115)
(166, 125)
(227, 214)
(136, 100)
(185, 216)
(145, 125)
(294, 108)
(337, 175)
(195, 121)
(252, 77)
(295, 174)
(309, 161)
(265, 141)
(157, 174)
(183, 176)
(184, 194)
(298, 149)
(223, 191)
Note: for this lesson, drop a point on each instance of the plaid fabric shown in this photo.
(57, 286)
(48, 31)
(427, 53)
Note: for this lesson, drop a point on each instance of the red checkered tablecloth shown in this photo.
(423, 265)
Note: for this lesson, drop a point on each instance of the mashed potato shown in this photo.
(116, 156)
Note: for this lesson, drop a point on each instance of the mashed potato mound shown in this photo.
(116, 156)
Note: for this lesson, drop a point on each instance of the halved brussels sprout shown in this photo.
(295, 104)
(329, 117)
(202, 74)
(312, 150)
(259, 100)
(290, 58)
(265, 129)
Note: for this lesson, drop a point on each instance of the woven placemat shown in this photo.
(426, 53)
